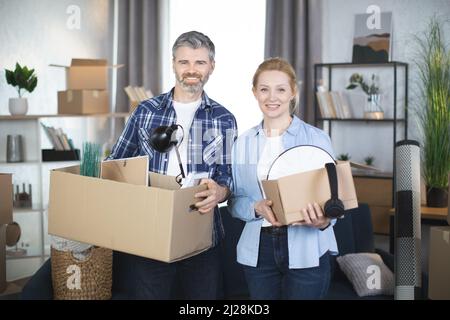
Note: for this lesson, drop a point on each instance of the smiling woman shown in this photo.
(239, 39)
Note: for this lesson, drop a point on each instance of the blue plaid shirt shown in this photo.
(211, 136)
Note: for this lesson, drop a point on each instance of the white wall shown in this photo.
(35, 34)
(409, 17)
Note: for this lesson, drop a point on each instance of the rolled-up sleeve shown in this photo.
(240, 203)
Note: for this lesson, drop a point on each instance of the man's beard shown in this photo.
(192, 88)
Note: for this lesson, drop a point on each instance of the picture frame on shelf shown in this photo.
(372, 40)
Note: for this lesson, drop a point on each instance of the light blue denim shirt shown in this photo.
(305, 244)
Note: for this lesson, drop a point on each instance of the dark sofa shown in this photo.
(354, 234)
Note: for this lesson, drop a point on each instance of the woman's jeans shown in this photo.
(272, 279)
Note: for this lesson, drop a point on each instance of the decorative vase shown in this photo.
(18, 106)
(372, 108)
(437, 197)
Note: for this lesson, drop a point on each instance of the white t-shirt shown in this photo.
(272, 149)
(185, 114)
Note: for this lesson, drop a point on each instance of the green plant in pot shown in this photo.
(21, 78)
(344, 157)
(433, 111)
(369, 160)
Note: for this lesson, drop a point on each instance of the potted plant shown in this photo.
(22, 79)
(369, 160)
(433, 109)
(344, 157)
(373, 108)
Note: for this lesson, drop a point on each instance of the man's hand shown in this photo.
(263, 209)
(214, 195)
(314, 217)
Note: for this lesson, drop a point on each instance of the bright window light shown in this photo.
(237, 29)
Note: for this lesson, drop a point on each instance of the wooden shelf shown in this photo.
(429, 213)
(33, 162)
(360, 120)
(39, 116)
(363, 65)
(37, 208)
(24, 257)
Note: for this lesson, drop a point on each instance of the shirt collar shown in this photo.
(168, 100)
(292, 129)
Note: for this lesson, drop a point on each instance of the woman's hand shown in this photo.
(264, 210)
(313, 217)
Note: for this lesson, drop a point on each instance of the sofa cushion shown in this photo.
(362, 270)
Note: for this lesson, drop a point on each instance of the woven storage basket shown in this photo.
(95, 275)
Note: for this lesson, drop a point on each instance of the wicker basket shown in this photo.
(90, 279)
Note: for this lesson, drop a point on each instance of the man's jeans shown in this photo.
(198, 277)
(272, 278)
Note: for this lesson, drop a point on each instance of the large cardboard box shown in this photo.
(88, 74)
(155, 221)
(292, 193)
(83, 102)
(6, 198)
(439, 264)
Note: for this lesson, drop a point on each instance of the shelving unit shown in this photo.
(398, 123)
(396, 120)
(33, 170)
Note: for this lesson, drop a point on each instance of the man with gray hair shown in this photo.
(209, 132)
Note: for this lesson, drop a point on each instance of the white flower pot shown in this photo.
(18, 106)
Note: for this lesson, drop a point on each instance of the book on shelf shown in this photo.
(333, 104)
(345, 106)
(57, 138)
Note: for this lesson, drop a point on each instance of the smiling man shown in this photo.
(209, 130)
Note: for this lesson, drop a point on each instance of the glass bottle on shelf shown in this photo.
(372, 109)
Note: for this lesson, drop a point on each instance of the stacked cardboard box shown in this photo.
(6, 205)
(87, 84)
(377, 193)
(439, 263)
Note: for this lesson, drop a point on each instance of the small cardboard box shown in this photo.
(439, 264)
(156, 222)
(6, 198)
(87, 74)
(292, 193)
(83, 102)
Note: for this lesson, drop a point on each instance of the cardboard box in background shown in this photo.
(87, 74)
(292, 193)
(2, 257)
(154, 222)
(448, 206)
(439, 263)
(6, 198)
(377, 193)
(83, 102)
